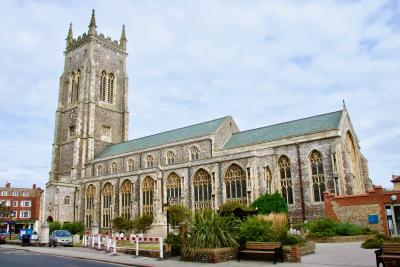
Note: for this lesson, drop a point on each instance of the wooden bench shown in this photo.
(387, 254)
(262, 248)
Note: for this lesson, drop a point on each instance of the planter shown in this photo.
(342, 239)
(210, 255)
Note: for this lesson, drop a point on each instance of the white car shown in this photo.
(60, 237)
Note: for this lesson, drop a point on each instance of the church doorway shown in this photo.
(49, 219)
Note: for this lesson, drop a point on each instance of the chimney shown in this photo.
(34, 186)
(8, 185)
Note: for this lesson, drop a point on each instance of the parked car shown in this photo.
(3, 235)
(60, 237)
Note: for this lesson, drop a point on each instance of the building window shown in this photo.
(99, 170)
(236, 185)
(106, 209)
(334, 163)
(202, 189)
(286, 179)
(89, 213)
(268, 180)
(130, 165)
(4, 193)
(114, 168)
(170, 158)
(103, 86)
(25, 194)
(67, 200)
(336, 185)
(173, 188)
(71, 132)
(317, 176)
(25, 214)
(110, 88)
(126, 199)
(352, 153)
(149, 161)
(26, 203)
(106, 135)
(148, 195)
(72, 89)
(15, 203)
(194, 153)
(15, 193)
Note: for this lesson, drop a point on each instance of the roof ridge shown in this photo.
(180, 128)
(263, 127)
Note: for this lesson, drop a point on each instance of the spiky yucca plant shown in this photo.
(210, 230)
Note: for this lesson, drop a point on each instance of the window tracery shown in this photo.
(194, 153)
(110, 88)
(149, 161)
(126, 199)
(202, 189)
(90, 193)
(268, 180)
(236, 184)
(130, 165)
(170, 158)
(173, 187)
(286, 179)
(99, 170)
(114, 168)
(317, 176)
(103, 80)
(148, 195)
(107, 201)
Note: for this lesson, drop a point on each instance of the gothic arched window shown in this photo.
(268, 180)
(202, 189)
(317, 176)
(130, 164)
(106, 207)
(351, 150)
(236, 184)
(99, 170)
(149, 161)
(194, 153)
(148, 195)
(286, 179)
(114, 167)
(78, 78)
(173, 187)
(89, 212)
(103, 81)
(72, 89)
(126, 197)
(170, 158)
(110, 88)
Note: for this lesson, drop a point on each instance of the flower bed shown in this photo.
(209, 255)
(341, 239)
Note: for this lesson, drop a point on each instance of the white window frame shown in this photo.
(4, 193)
(25, 194)
(23, 202)
(21, 214)
(15, 203)
(15, 193)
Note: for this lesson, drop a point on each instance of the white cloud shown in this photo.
(261, 61)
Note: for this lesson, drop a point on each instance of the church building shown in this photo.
(97, 174)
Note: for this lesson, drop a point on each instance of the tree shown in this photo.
(73, 228)
(120, 223)
(142, 223)
(268, 203)
(54, 226)
(177, 214)
(5, 212)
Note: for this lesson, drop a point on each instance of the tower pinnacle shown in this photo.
(123, 39)
(70, 36)
(92, 25)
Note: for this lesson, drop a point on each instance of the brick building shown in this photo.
(98, 174)
(24, 203)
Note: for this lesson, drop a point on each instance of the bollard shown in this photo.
(161, 248)
(99, 242)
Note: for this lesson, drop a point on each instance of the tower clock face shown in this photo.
(72, 116)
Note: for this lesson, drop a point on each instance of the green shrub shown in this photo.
(209, 230)
(74, 228)
(54, 226)
(321, 228)
(372, 243)
(175, 242)
(178, 214)
(230, 206)
(120, 223)
(294, 240)
(142, 223)
(394, 239)
(346, 229)
(268, 203)
(382, 236)
(257, 230)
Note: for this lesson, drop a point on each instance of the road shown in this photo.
(16, 258)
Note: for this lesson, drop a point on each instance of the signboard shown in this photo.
(373, 218)
(173, 200)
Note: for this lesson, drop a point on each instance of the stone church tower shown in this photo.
(92, 112)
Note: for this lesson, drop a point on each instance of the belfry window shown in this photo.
(286, 179)
(317, 176)
(236, 184)
(103, 81)
(110, 88)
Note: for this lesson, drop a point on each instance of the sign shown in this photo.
(173, 200)
(373, 218)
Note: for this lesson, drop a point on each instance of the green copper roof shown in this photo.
(189, 132)
(318, 123)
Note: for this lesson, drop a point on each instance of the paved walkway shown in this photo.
(327, 255)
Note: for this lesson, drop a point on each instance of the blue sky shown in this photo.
(263, 62)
